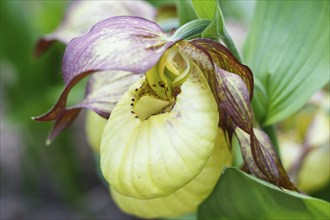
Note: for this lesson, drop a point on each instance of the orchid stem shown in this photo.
(271, 132)
(224, 35)
(231, 46)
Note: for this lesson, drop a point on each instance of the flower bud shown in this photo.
(94, 129)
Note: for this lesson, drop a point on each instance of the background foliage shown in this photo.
(38, 181)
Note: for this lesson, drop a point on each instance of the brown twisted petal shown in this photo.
(232, 86)
(225, 60)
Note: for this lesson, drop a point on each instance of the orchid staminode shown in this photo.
(173, 105)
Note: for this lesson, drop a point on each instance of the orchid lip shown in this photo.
(174, 142)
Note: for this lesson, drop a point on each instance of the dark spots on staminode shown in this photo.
(176, 91)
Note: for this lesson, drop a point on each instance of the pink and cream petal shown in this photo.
(82, 15)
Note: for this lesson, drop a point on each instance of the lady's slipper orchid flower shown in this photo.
(163, 133)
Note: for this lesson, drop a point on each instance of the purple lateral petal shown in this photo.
(257, 150)
(104, 91)
(233, 94)
(233, 102)
(202, 58)
(123, 43)
(43, 45)
(59, 108)
(82, 15)
(225, 60)
(234, 98)
(208, 59)
(130, 44)
(230, 91)
(63, 122)
(265, 153)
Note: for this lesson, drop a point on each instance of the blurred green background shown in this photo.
(38, 181)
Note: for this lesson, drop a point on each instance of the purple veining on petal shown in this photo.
(58, 109)
(261, 158)
(123, 43)
(82, 15)
(257, 149)
(131, 44)
(232, 85)
(62, 122)
(234, 98)
(225, 60)
(104, 90)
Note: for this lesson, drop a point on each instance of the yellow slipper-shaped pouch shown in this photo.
(187, 198)
(153, 147)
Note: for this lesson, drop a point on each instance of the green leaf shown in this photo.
(242, 196)
(192, 29)
(205, 9)
(186, 11)
(157, 3)
(217, 30)
(287, 48)
(190, 216)
(239, 10)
